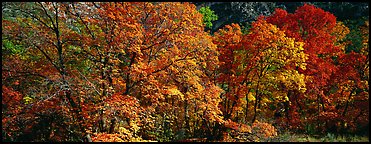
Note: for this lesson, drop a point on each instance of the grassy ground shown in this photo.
(291, 137)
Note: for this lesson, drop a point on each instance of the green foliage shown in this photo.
(355, 35)
(209, 16)
(245, 28)
(11, 48)
(356, 41)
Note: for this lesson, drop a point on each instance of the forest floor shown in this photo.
(292, 137)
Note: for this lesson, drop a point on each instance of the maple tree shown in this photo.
(350, 84)
(257, 70)
(42, 34)
(322, 36)
(140, 61)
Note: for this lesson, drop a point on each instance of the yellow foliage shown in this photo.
(175, 91)
(251, 97)
(263, 129)
(340, 31)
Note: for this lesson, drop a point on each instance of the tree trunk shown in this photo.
(112, 126)
(186, 117)
(347, 103)
(247, 107)
(255, 108)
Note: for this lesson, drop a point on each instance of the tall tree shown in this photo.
(118, 63)
(257, 68)
(323, 37)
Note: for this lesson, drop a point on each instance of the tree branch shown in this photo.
(46, 12)
(47, 57)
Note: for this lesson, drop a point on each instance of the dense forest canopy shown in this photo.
(183, 71)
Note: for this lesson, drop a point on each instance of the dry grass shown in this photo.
(292, 137)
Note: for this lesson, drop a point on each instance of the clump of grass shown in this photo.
(293, 137)
(349, 138)
(285, 137)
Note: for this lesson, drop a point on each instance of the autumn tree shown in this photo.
(150, 52)
(41, 34)
(257, 70)
(324, 43)
(349, 89)
(133, 69)
(148, 71)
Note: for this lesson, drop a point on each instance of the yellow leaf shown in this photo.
(175, 91)
(251, 97)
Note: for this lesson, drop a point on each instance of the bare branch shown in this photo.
(47, 57)
(46, 12)
(89, 82)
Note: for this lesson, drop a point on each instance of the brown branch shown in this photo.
(86, 26)
(95, 5)
(185, 58)
(128, 87)
(26, 73)
(347, 103)
(46, 12)
(38, 19)
(47, 57)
